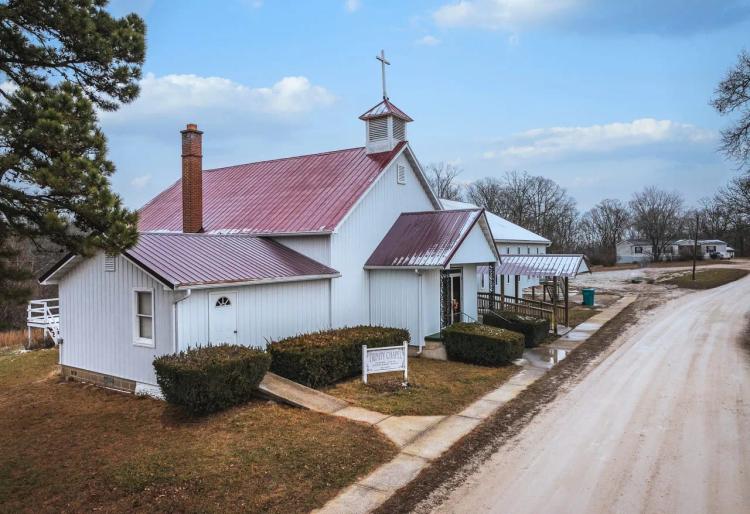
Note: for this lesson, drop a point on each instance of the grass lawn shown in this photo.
(435, 387)
(577, 314)
(68, 447)
(707, 278)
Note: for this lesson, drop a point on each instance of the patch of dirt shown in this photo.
(434, 483)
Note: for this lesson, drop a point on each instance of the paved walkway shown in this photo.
(424, 438)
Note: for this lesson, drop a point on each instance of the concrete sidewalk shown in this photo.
(424, 438)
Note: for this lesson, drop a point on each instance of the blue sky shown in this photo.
(604, 97)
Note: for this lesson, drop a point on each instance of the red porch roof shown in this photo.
(424, 239)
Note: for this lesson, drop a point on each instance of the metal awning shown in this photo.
(545, 265)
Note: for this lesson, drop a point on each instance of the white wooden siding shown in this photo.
(96, 320)
(264, 312)
(514, 249)
(469, 291)
(475, 248)
(316, 247)
(395, 301)
(361, 232)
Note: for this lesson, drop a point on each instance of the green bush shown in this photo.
(322, 358)
(533, 329)
(482, 344)
(211, 378)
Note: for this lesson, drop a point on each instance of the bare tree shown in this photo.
(733, 96)
(657, 217)
(604, 226)
(487, 193)
(536, 203)
(443, 180)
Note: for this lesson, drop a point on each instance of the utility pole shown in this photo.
(695, 244)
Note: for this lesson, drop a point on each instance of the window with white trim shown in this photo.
(638, 249)
(223, 302)
(400, 174)
(143, 322)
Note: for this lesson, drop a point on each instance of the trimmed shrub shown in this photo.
(211, 378)
(482, 344)
(533, 329)
(322, 358)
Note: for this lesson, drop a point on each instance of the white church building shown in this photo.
(260, 251)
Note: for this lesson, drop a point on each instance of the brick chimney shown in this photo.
(192, 179)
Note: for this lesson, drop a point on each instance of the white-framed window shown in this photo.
(507, 250)
(710, 249)
(143, 317)
(528, 250)
(637, 249)
(518, 250)
(537, 250)
(400, 174)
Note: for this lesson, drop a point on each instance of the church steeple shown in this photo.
(385, 123)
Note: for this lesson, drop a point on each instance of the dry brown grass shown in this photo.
(667, 264)
(68, 447)
(15, 339)
(435, 387)
(707, 279)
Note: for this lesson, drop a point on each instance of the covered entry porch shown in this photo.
(422, 275)
(549, 300)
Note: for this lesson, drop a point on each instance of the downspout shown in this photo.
(419, 312)
(175, 342)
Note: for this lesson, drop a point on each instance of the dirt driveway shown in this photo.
(661, 425)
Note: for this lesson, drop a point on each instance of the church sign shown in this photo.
(385, 359)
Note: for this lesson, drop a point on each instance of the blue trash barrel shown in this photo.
(588, 296)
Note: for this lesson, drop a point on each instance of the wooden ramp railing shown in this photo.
(487, 302)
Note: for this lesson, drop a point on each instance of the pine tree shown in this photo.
(60, 60)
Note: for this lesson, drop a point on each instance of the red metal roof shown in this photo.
(305, 194)
(181, 260)
(385, 108)
(424, 239)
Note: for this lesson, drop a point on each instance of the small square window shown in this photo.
(638, 249)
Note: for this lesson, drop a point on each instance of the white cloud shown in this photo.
(558, 141)
(185, 96)
(428, 41)
(141, 181)
(501, 14)
(352, 5)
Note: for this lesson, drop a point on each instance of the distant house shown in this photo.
(510, 239)
(634, 251)
(708, 248)
(641, 251)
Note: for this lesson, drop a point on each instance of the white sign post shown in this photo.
(385, 359)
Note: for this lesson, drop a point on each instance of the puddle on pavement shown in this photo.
(545, 356)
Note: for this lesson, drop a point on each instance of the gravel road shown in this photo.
(661, 425)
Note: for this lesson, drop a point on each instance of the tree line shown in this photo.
(652, 214)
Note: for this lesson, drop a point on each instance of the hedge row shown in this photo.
(322, 358)
(533, 329)
(211, 378)
(482, 344)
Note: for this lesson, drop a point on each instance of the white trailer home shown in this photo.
(259, 251)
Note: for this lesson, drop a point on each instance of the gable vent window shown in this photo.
(399, 129)
(223, 302)
(379, 129)
(110, 263)
(401, 174)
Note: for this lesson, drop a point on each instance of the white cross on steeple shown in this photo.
(383, 62)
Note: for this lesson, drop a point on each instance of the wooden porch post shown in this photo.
(515, 292)
(533, 292)
(554, 304)
(502, 292)
(566, 301)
